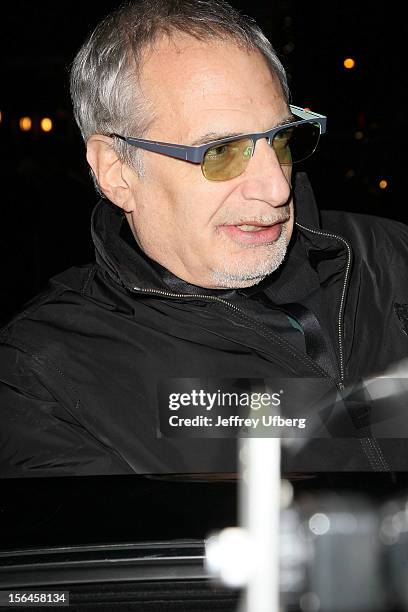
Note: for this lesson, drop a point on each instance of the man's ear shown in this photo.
(111, 173)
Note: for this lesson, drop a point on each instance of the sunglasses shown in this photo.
(227, 158)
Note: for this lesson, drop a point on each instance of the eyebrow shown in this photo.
(210, 136)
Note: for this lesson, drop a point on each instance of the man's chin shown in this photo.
(246, 274)
(223, 283)
(230, 280)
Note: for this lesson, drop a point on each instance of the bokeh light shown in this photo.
(46, 124)
(349, 63)
(25, 124)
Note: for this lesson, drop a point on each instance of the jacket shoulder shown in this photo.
(368, 233)
(75, 280)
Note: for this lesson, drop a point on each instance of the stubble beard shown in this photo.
(231, 275)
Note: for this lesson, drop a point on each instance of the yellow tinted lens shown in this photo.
(228, 160)
(281, 146)
(294, 144)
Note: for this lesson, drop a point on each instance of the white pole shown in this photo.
(260, 488)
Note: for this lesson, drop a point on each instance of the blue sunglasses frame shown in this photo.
(196, 153)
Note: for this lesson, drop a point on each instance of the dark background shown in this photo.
(47, 194)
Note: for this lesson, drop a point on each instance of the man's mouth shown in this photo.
(253, 233)
(253, 228)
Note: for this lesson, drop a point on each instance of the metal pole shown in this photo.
(259, 496)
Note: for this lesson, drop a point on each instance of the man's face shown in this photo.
(185, 222)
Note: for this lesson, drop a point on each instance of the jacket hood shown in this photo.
(120, 256)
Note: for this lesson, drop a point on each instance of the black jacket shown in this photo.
(80, 365)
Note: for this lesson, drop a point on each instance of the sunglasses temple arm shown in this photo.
(177, 151)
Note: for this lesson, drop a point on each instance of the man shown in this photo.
(211, 261)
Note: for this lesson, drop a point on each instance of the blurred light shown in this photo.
(383, 184)
(307, 108)
(349, 63)
(350, 173)
(46, 124)
(286, 496)
(358, 135)
(229, 555)
(1, 116)
(319, 523)
(25, 124)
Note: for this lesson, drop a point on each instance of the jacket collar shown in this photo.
(119, 255)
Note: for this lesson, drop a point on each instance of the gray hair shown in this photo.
(105, 74)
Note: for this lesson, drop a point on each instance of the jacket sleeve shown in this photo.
(38, 436)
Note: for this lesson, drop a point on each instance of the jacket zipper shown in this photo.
(369, 442)
(228, 304)
(343, 295)
(340, 383)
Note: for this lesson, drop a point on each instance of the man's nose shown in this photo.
(264, 178)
